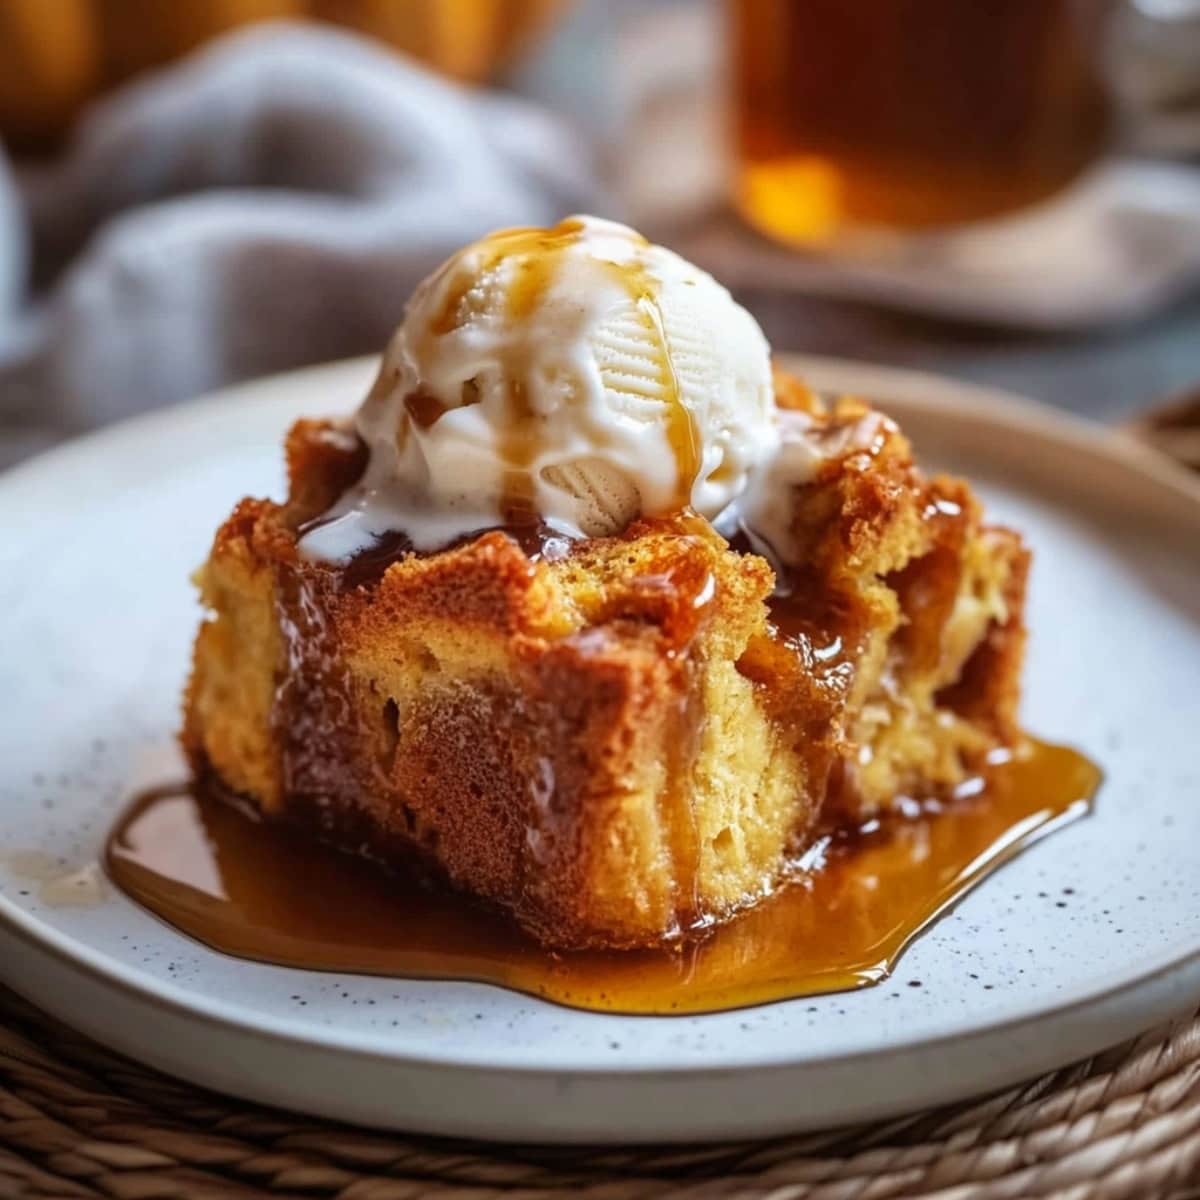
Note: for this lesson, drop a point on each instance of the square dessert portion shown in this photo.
(618, 687)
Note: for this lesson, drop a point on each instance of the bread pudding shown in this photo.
(617, 680)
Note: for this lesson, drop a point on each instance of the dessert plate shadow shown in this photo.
(1089, 937)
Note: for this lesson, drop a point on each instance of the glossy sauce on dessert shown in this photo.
(539, 255)
(682, 435)
(266, 893)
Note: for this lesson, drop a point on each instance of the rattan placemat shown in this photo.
(78, 1120)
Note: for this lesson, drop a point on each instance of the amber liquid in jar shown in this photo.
(908, 114)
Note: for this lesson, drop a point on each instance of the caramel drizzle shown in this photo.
(682, 434)
(540, 249)
(423, 407)
(539, 254)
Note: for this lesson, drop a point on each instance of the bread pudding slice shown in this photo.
(617, 739)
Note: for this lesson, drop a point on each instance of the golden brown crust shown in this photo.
(626, 741)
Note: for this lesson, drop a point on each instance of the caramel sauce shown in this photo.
(59, 885)
(682, 435)
(366, 568)
(423, 407)
(537, 255)
(537, 540)
(540, 251)
(517, 448)
(269, 894)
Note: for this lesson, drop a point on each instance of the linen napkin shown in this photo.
(269, 202)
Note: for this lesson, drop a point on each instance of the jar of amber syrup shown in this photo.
(910, 114)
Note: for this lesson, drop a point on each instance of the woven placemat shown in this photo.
(79, 1120)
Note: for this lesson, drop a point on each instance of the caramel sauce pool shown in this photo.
(262, 892)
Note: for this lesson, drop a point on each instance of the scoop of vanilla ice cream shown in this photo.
(578, 374)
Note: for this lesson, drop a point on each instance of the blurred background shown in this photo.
(198, 191)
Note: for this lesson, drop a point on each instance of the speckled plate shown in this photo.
(1087, 938)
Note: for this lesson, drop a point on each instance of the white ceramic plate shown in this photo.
(1086, 939)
